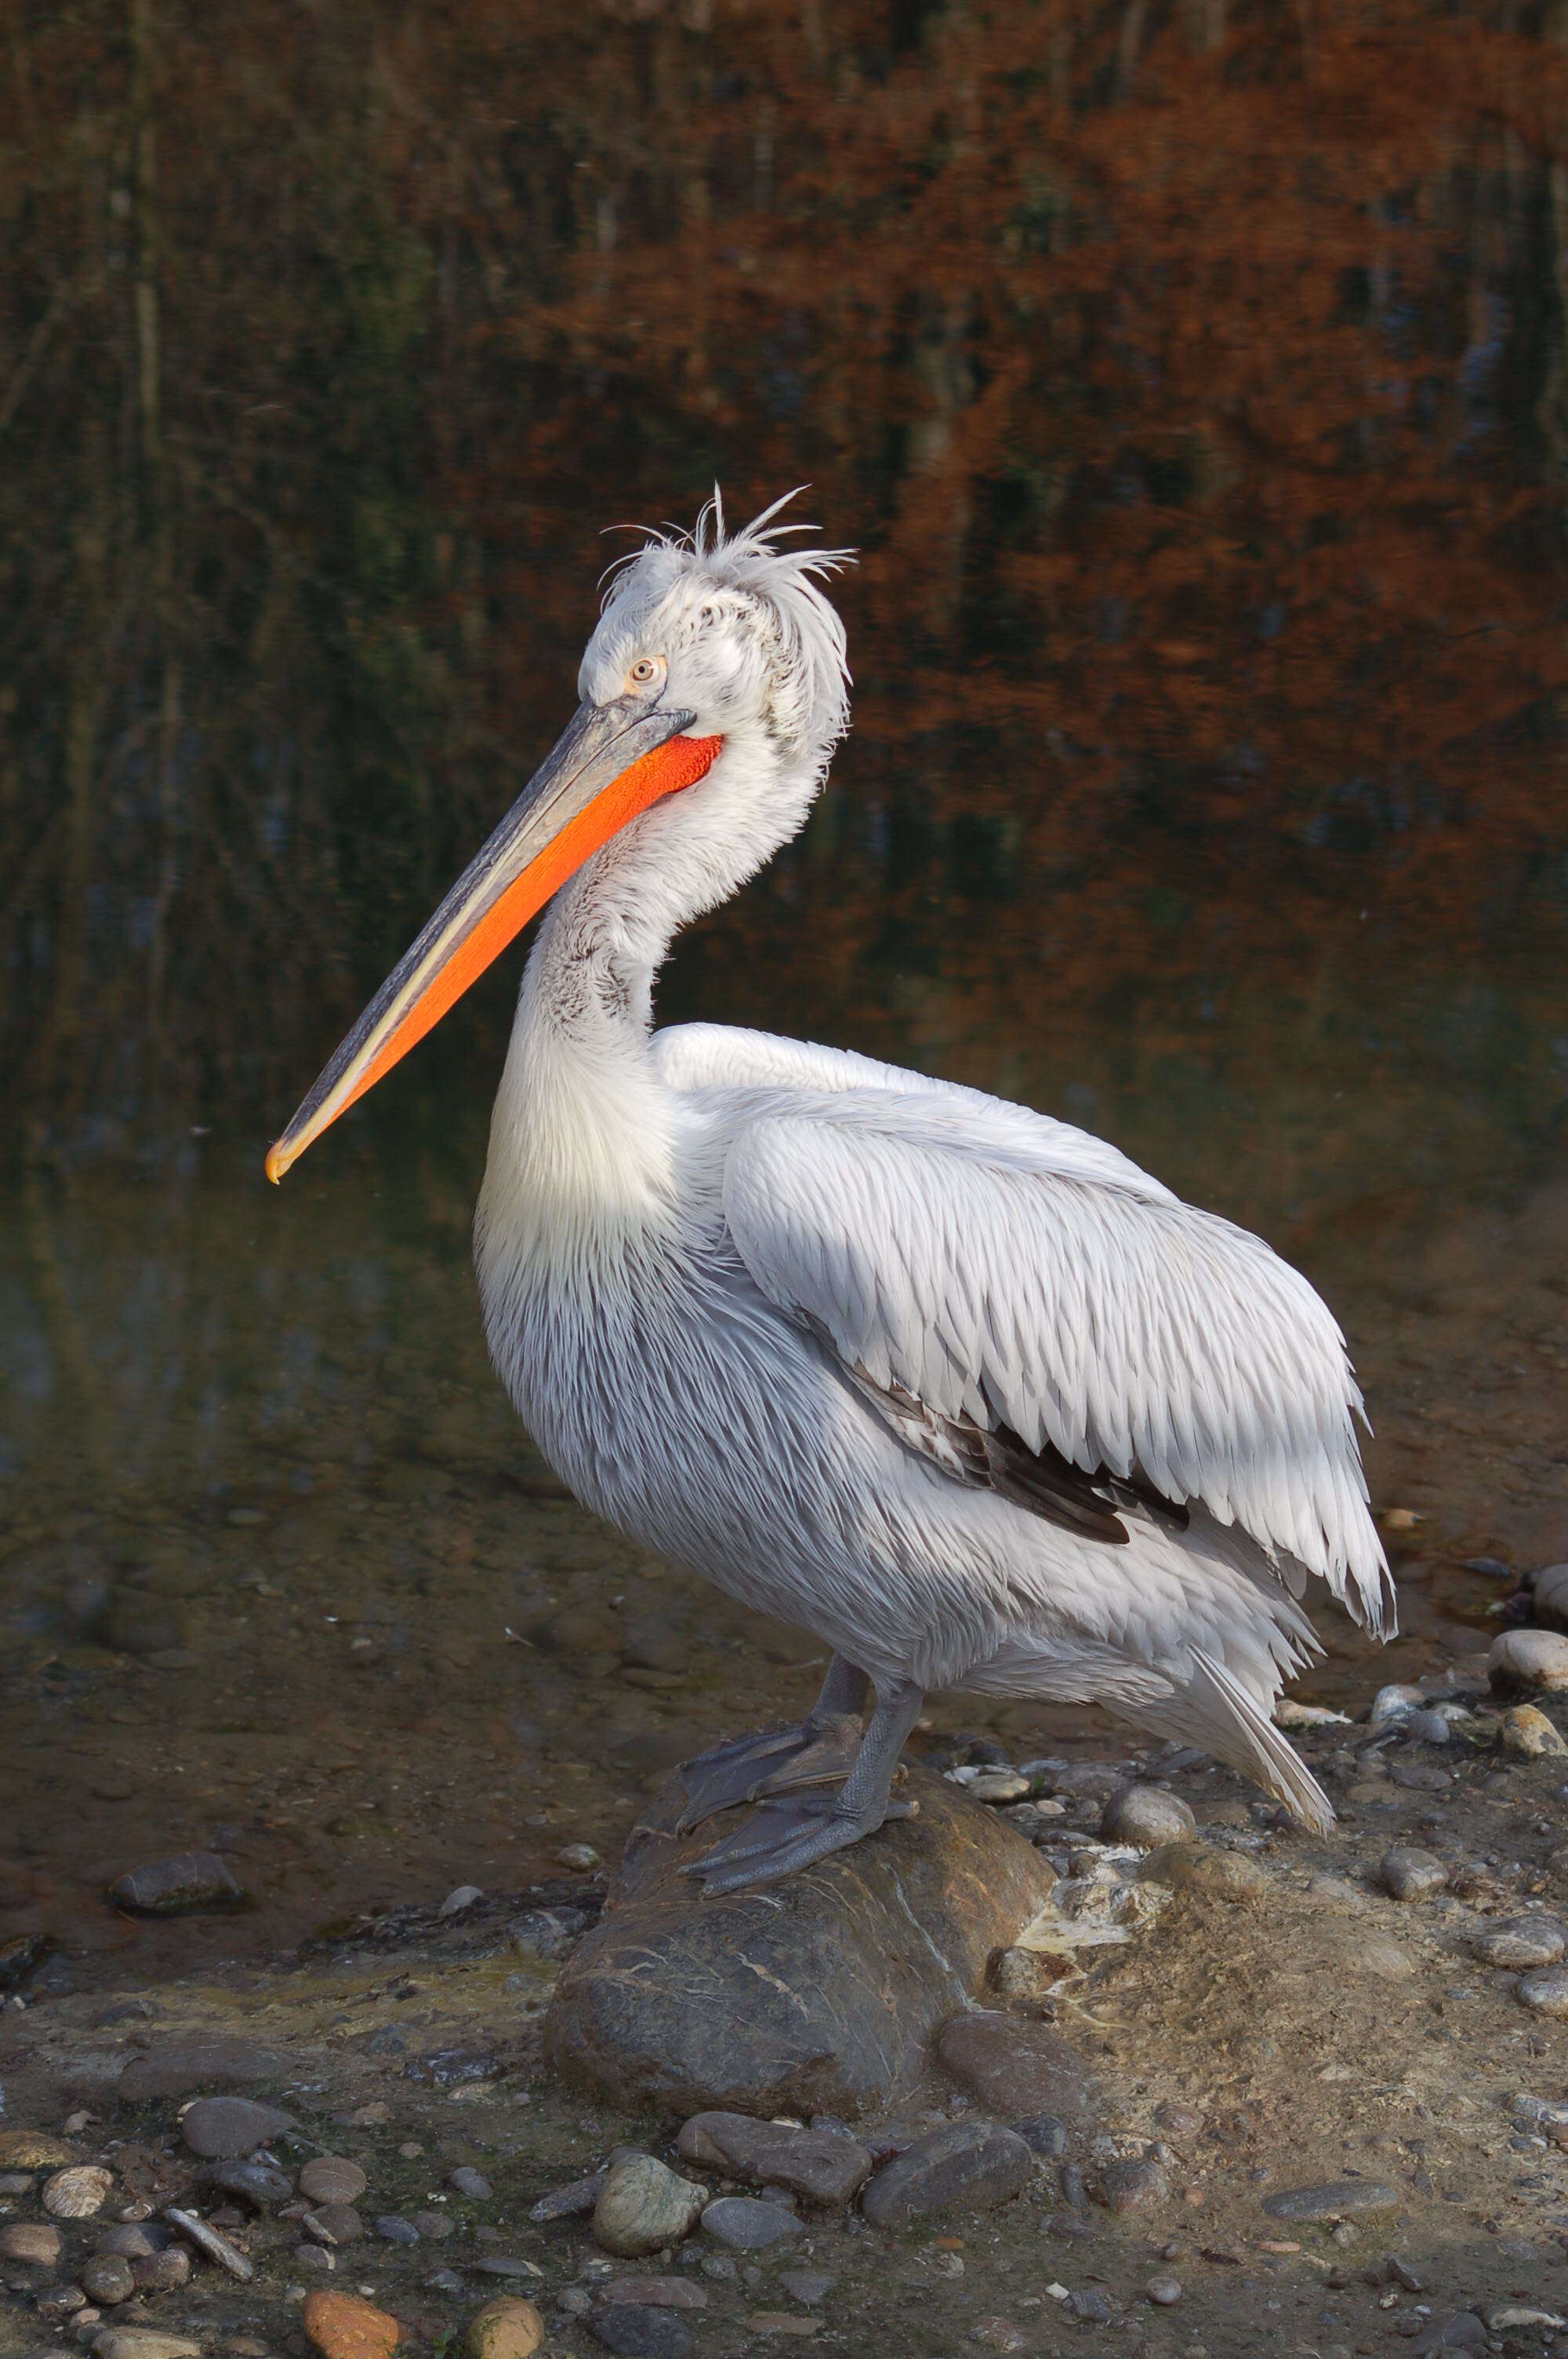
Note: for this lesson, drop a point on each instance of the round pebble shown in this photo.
(998, 1786)
(579, 1857)
(332, 2179)
(1527, 1732)
(643, 2205)
(505, 2328)
(335, 2223)
(462, 1897)
(1165, 2291)
(1545, 1992)
(342, 2327)
(1529, 1659)
(472, 2183)
(395, 2231)
(134, 2239)
(162, 2272)
(32, 2241)
(1519, 1941)
(107, 2278)
(1146, 1816)
(78, 2193)
(1409, 1874)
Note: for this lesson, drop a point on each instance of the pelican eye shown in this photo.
(646, 669)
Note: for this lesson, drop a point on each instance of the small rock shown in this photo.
(1528, 1732)
(1545, 1992)
(640, 2333)
(1219, 1875)
(1463, 2330)
(1165, 2292)
(644, 2206)
(969, 2164)
(825, 2167)
(78, 2193)
(1519, 1941)
(314, 2258)
(196, 1879)
(1529, 1659)
(507, 2328)
(1336, 2199)
(998, 1786)
(134, 2239)
(342, 2326)
(579, 1857)
(507, 2265)
(463, 1897)
(433, 2225)
(1549, 1597)
(1010, 2066)
(1022, 1978)
(334, 2224)
(808, 2285)
(33, 2242)
(1043, 2134)
(254, 2184)
(223, 2129)
(142, 2342)
(174, 2068)
(746, 2225)
(1429, 1728)
(573, 2201)
(162, 2272)
(394, 2230)
(1138, 2185)
(1146, 1816)
(1409, 1874)
(332, 2179)
(107, 2278)
(472, 2183)
(668, 2293)
(1090, 2306)
(33, 2150)
(207, 2240)
(1394, 1704)
(59, 2301)
(445, 2281)
(15, 2182)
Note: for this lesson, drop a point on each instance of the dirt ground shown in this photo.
(1261, 2033)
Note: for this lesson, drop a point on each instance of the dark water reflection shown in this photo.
(1195, 387)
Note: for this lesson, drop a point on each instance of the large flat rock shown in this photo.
(819, 1994)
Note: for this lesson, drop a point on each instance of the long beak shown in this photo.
(612, 761)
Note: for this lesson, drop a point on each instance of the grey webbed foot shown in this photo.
(777, 1838)
(770, 1761)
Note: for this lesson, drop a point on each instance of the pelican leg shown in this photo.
(816, 1751)
(780, 1837)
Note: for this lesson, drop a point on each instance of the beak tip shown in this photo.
(276, 1164)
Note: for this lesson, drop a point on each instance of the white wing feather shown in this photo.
(1017, 1271)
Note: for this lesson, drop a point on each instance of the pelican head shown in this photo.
(712, 694)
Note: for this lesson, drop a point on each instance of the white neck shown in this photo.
(584, 1139)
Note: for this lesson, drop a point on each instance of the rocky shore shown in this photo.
(1133, 2065)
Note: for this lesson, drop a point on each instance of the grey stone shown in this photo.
(1394, 1704)
(1216, 1874)
(1461, 2331)
(332, 2179)
(1409, 1874)
(168, 1887)
(1010, 2066)
(825, 2165)
(173, 2067)
(223, 2129)
(572, 2203)
(472, 2183)
(1429, 1728)
(254, 2184)
(658, 2293)
(394, 2230)
(107, 2278)
(1043, 2134)
(743, 2225)
(1529, 1659)
(1519, 1941)
(1336, 2198)
(969, 2164)
(1134, 2185)
(637, 2332)
(142, 2342)
(808, 2285)
(1165, 2293)
(1088, 2306)
(134, 2239)
(59, 2301)
(334, 2224)
(1147, 1816)
(817, 1997)
(505, 2264)
(1545, 1991)
(15, 2182)
(644, 2205)
(207, 2240)
(445, 2281)
(433, 2224)
(161, 2272)
(462, 1896)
